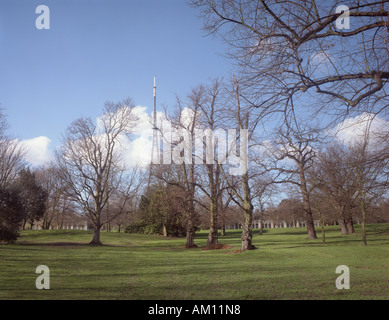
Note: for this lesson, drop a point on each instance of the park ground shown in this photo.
(285, 266)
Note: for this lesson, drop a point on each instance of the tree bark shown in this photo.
(192, 218)
(212, 236)
(223, 231)
(350, 225)
(260, 227)
(342, 220)
(310, 225)
(190, 236)
(323, 232)
(323, 235)
(247, 232)
(343, 226)
(96, 236)
(306, 202)
(307, 206)
(97, 227)
(364, 238)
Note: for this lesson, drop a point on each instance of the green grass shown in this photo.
(286, 266)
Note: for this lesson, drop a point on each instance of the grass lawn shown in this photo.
(286, 265)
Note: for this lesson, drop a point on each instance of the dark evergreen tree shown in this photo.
(33, 197)
(12, 214)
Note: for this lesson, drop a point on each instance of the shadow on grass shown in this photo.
(66, 245)
(54, 244)
(52, 233)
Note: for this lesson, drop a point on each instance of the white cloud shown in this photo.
(137, 152)
(144, 120)
(37, 150)
(355, 129)
(321, 57)
(136, 149)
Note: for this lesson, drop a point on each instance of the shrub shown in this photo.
(12, 214)
(136, 227)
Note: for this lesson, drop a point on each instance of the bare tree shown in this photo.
(91, 161)
(263, 191)
(205, 103)
(369, 176)
(291, 157)
(290, 50)
(241, 190)
(12, 155)
(189, 169)
(335, 178)
(57, 200)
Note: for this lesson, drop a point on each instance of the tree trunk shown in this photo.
(223, 232)
(246, 238)
(350, 225)
(343, 226)
(214, 210)
(190, 236)
(342, 220)
(247, 232)
(192, 217)
(222, 216)
(96, 236)
(212, 236)
(323, 235)
(310, 226)
(364, 238)
(44, 223)
(164, 230)
(307, 206)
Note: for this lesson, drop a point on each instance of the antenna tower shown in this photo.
(155, 147)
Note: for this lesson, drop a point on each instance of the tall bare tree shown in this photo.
(241, 190)
(334, 176)
(212, 116)
(91, 161)
(324, 51)
(57, 201)
(12, 155)
(291, 157)
(369, 176)
(183, 172)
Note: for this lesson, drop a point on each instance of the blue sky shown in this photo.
(97, 51)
